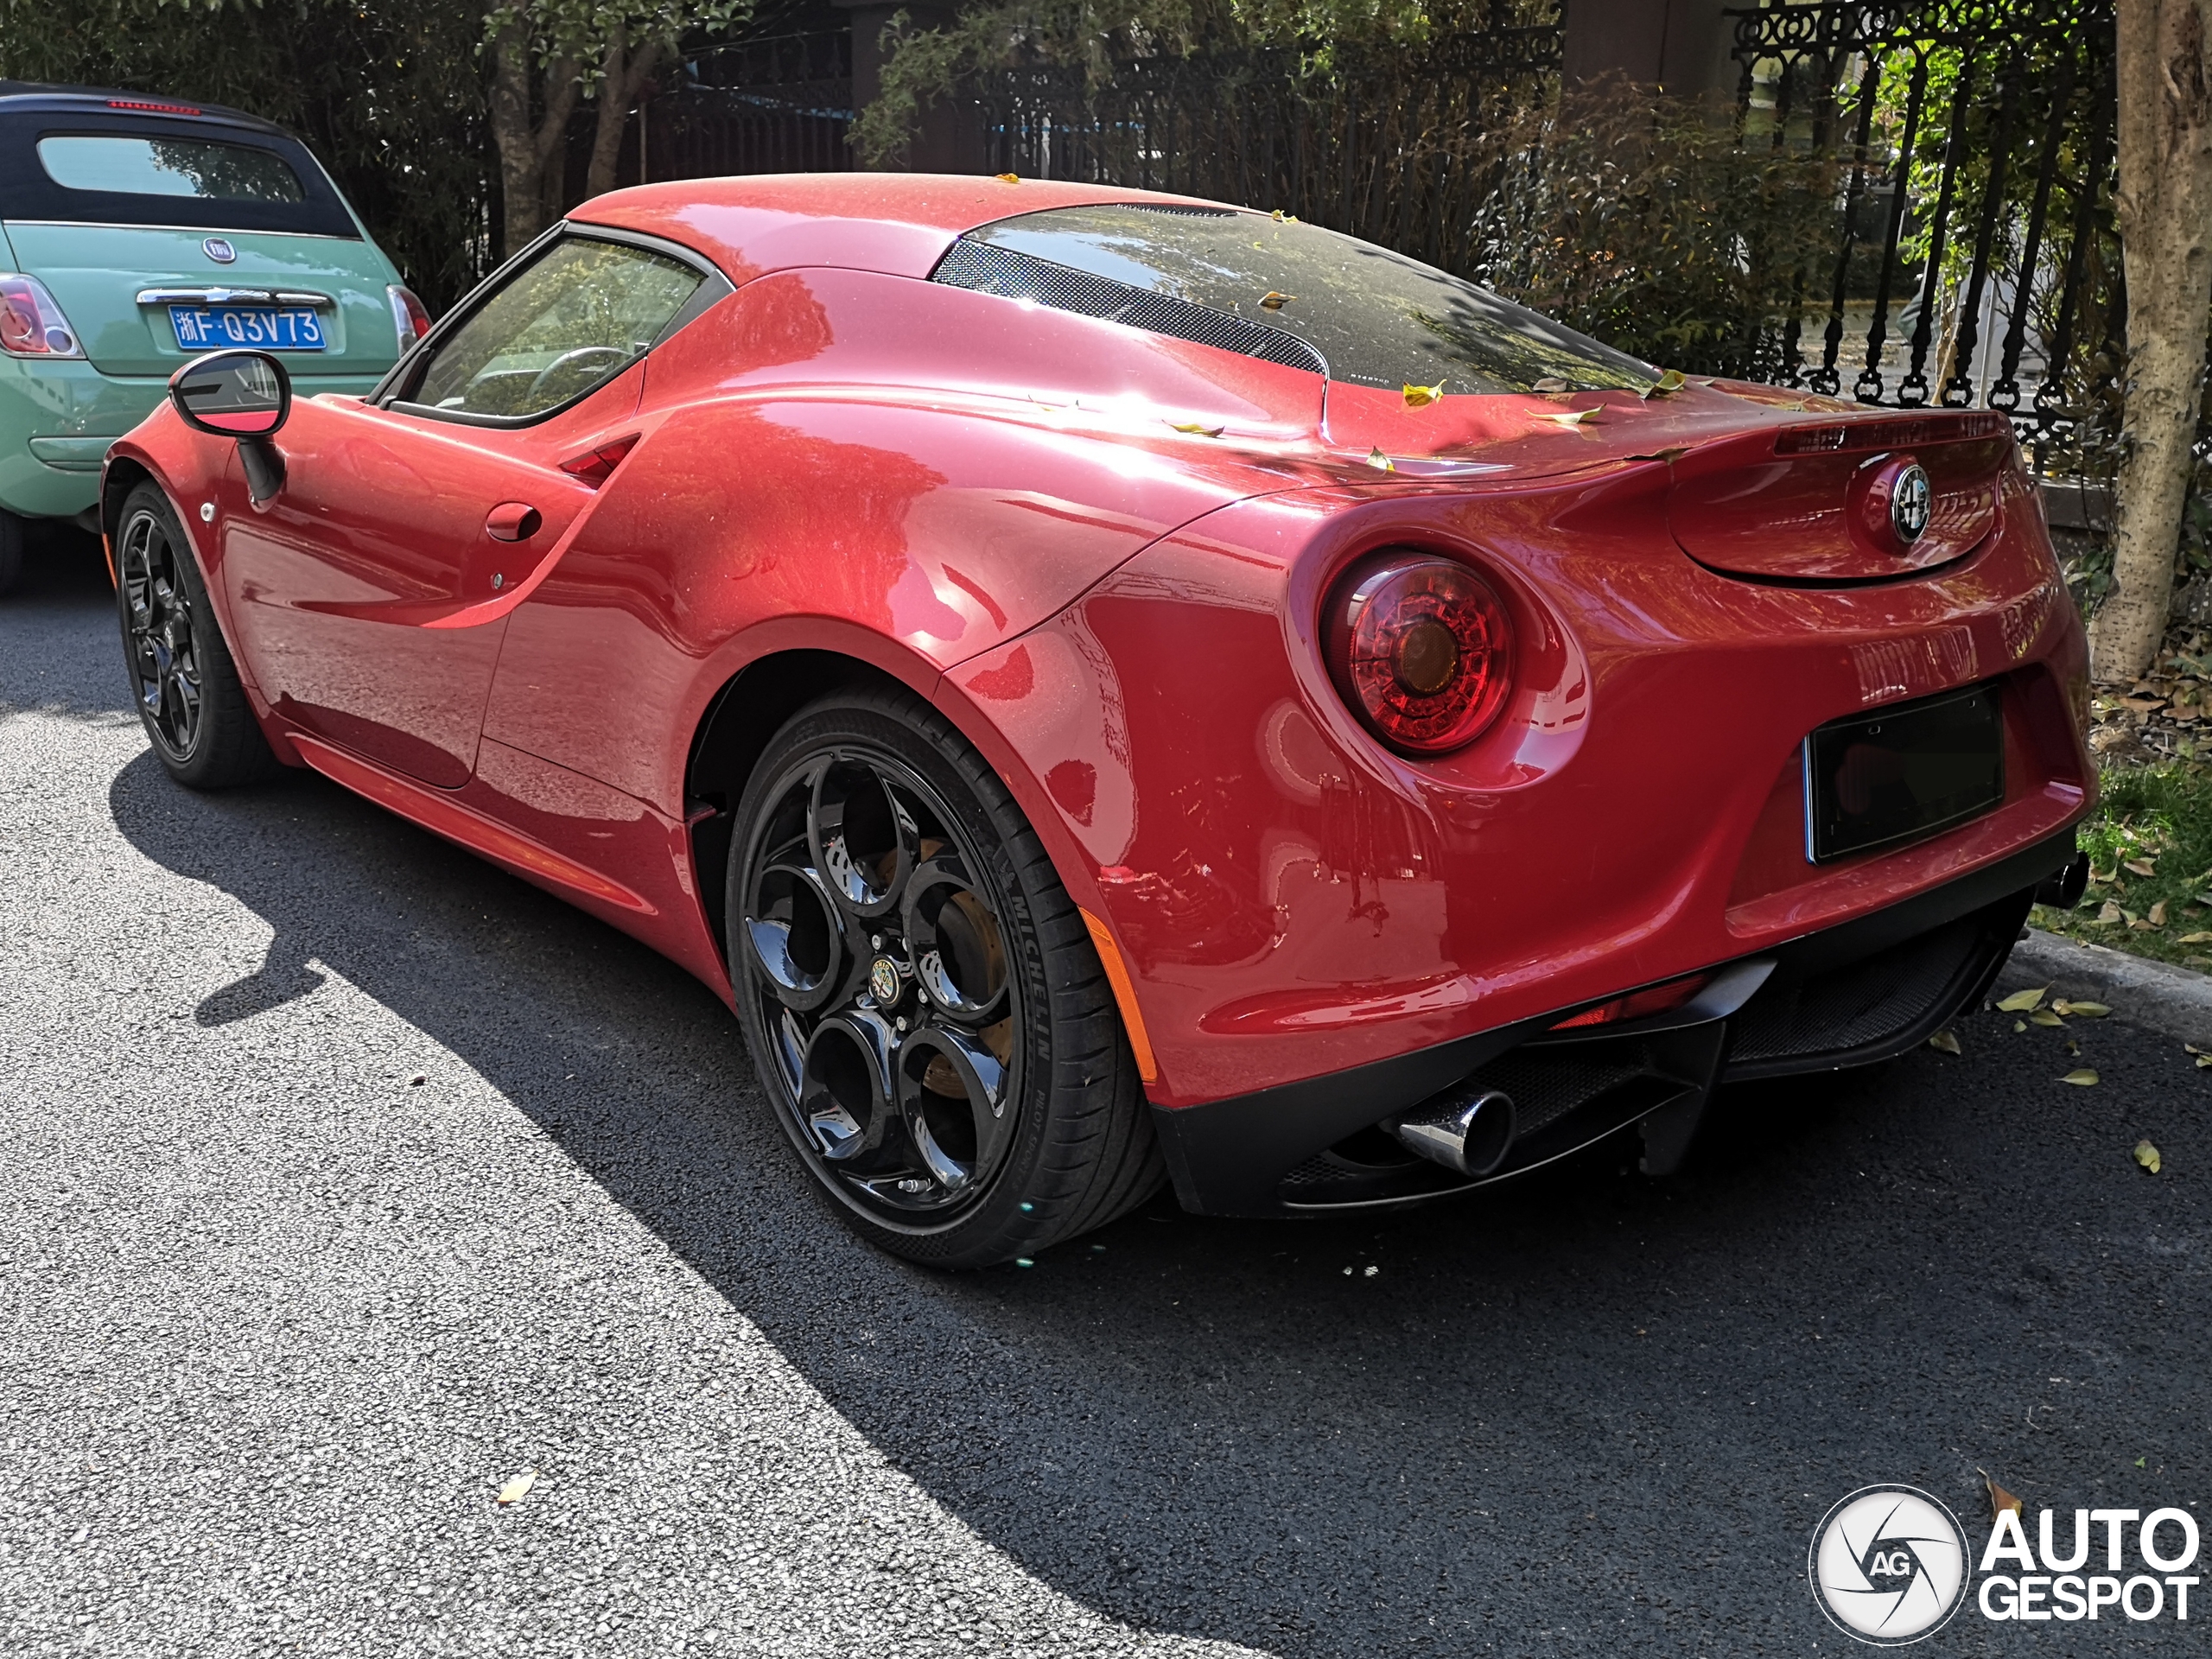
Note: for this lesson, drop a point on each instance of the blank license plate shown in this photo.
(272, 328)
(1903, 771)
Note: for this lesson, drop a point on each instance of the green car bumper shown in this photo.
(59, 416)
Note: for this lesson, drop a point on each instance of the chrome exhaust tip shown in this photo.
(1472, 1137)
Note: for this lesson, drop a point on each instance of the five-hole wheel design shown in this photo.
(927, 1013)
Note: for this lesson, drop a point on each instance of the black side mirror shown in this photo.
(242, 395)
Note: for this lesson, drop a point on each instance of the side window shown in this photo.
(575, 316)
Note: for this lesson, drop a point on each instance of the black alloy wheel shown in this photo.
(924, 1004)
(181, 678)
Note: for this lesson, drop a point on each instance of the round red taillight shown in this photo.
(1422, 649)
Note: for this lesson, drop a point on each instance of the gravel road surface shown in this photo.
(344, 1180)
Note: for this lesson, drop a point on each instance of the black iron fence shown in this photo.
(1370, 139)
(1976, 261)
(782, 105)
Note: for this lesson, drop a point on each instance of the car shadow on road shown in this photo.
(1588, 1402)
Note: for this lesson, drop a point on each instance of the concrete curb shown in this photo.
(2172, 1002)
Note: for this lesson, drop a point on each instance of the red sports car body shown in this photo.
(1457, 741)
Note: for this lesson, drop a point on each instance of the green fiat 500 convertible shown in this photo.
(138, 232)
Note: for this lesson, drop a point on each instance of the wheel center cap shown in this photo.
(883, 979)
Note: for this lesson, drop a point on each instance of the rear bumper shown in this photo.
(1860, 992)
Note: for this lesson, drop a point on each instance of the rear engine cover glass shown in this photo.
(1378, 318)
(1902, 773)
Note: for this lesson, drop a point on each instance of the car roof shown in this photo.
(899, 223)
(103, 100)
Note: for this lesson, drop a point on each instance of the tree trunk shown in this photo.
(2165, 226)
(530, 186)
(625, 79)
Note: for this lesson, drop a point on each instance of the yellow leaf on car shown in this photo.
(1999, 1499)
(1422, 397)
(2140, 866)
(2045, 1017)
(1946, 1040)
(1672, 381)
(1007, 178)
(2147, 1155)
(2081, 1078)
(1381, 462)
(517, 1486)
(1570, 417)
(2021, 1001)
(1549, 383)
(1273, 301)
(1196, 430)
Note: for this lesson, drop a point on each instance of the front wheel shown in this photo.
(187, 692)
(923, 1001)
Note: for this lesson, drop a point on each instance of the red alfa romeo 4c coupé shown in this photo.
(1115, 689)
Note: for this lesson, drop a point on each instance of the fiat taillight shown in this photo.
(409, 316)
(1421, 648)
(31, 324)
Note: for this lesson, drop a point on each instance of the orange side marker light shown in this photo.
(1125, 996)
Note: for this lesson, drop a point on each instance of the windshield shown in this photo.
(1378, 318)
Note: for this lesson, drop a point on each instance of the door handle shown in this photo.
(512, 521)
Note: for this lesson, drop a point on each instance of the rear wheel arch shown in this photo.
(739, 721)
(743, 717)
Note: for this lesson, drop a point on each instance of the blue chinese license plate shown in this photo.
(270, 327)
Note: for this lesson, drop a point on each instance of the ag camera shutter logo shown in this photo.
(1888, 1566)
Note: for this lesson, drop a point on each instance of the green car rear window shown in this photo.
(168, 167)
(1244, 281)
(65, 163)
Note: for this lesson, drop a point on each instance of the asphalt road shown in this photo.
(343, 1178)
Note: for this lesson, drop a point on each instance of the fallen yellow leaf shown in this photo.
(1947, 1042)
(1571, 417)
(1281, 218)
(1381, 462)
(2196, 938)
(2147, 1155)
(1271, 300)
(2021, 1001)
(2084, 1010)
(2020, 1024)
(2082, 1079)
(1999, 1499)
(512, 1492)
(1672, 381)
(2111, 913)
(2045, 1017)
(2159, 914)
(1422, 397)
(2140, 866)
(1197, 428)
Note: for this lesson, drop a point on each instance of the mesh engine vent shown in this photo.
(989, 270)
